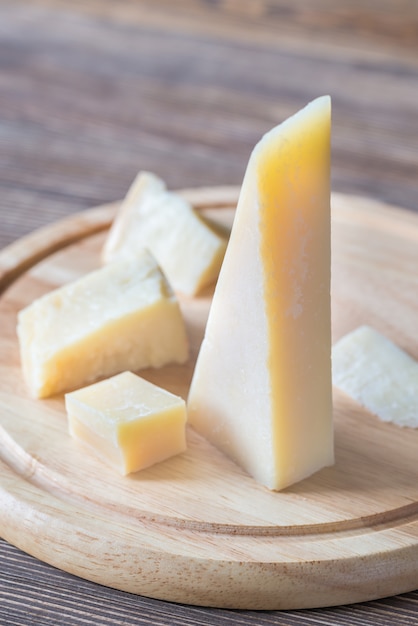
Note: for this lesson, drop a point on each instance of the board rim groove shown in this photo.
(14, 261)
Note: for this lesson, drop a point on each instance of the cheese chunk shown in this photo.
(189, 252)
(128, 422)
(123, 316)
(261, 390)
(378, 375)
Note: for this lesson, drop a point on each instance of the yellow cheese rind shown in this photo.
(378, 374)
(128, 422)
(187, 249)
(123, 316)
(261, 390)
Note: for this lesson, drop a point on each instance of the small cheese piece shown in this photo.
(123, 316)
(377, 374)
(261, 390)
(128, 422)
(187, 249)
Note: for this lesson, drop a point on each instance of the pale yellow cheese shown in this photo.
(378, 374)
(123, 316)
(261, 390)
(128, 422)
(187, 249)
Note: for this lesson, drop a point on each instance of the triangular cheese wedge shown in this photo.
(261, 390)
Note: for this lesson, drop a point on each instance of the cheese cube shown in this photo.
(127, 421)
(123, 316)
(377, 374)
(261, 390)
(189, 252)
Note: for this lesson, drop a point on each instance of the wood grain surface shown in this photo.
(205, 532)
(92, 91)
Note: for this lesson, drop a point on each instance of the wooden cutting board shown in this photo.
(196, 529)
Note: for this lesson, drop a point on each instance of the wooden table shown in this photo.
(92, 91)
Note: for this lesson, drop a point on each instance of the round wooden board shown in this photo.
(196, 529)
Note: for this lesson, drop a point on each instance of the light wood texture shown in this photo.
(196, 529)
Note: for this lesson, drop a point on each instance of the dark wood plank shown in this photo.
(38, 594)
(91, 92)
